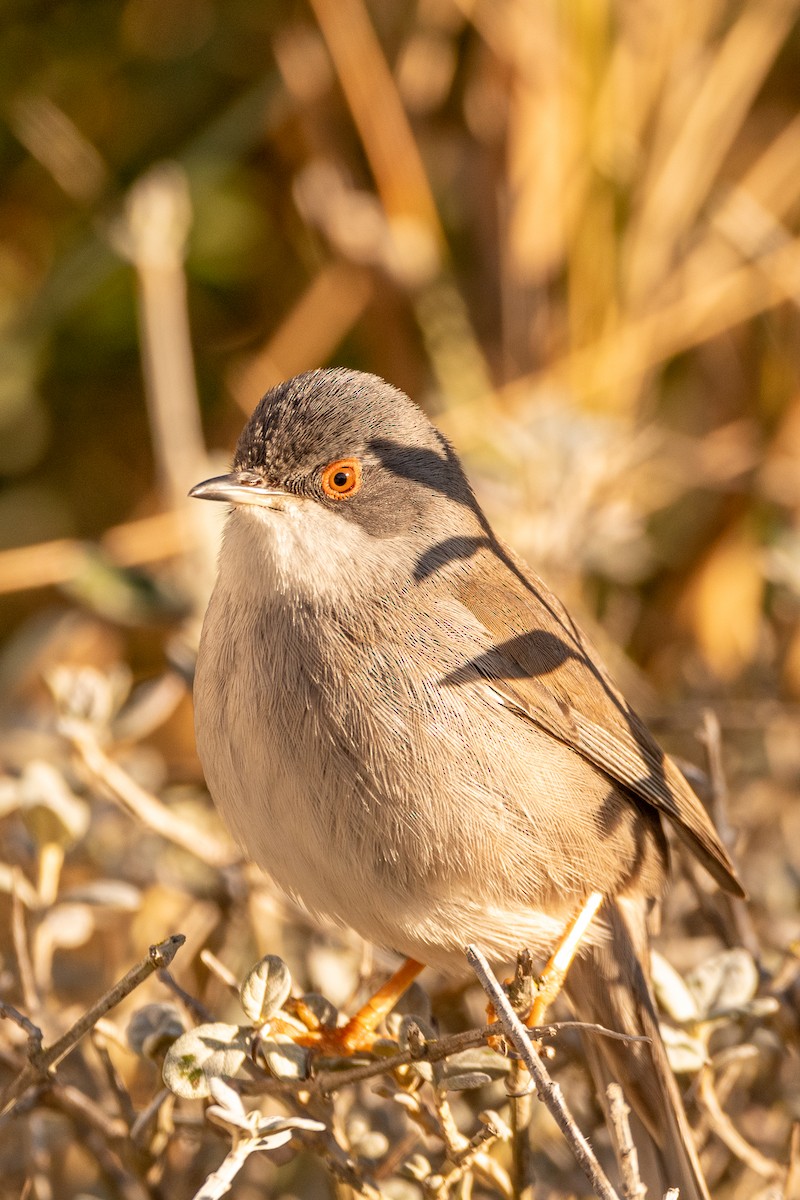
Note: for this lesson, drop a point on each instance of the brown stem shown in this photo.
(159, 956)
(549, 1091)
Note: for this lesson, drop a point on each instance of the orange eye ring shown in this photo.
(341, 479)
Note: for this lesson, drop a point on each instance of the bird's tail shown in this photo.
(609, 985)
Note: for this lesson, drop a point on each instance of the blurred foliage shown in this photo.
(566, 228)
(569, 229)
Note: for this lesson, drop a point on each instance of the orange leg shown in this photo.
(552, 978)
(359, 1032)
(360, 1029)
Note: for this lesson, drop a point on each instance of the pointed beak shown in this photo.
(239, 487)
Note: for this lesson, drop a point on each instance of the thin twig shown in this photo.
(328, 1082)
(618, 1110)
(711, 737)
(113, 1077)
(45, 564)
(743, 930)
(438, 1187)
(456, 1143)
(520, 1102)
(74, 1102)
(548, 1091)
(19, 937)
(640, 344)
(12, 880)
(378, 112)
(218, 969)
(35, 1035)
(159, 956)
(125, 1184)
(341, 1164)
(195, 1007)
(39, 1153)
(152, 233)
(141, 1126)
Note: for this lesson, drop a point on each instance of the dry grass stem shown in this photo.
(378, 113)
(791, 1187)
(19, 936)
(682, 180)
(520, 1098)
(136, 543)
(724, 1128)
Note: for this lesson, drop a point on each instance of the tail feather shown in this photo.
(609, 985)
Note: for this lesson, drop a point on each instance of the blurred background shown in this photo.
(570, 229)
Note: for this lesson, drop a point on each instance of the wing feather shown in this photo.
(547, 672)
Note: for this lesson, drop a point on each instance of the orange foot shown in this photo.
(358, 1035)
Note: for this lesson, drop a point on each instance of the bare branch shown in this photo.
(159, 956)
(327, 1082)
(35, 1035)
(632, 1184)
(195, 1007)
(548, 1091)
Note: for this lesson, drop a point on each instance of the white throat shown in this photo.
(302, 551)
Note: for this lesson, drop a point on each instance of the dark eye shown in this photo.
(342, 479)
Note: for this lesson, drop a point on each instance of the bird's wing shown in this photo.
(542, 666)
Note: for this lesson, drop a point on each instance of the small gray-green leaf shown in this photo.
(209, 1050)
(265, 989)
(466, 1080)
(286, 1060)
(482, 1059)
(50, 809)
(153, 1028)
(727, 981)
(677, 1000)
(686, 1054)
(415, 1002)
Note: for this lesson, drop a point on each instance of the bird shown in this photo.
(407, 730)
